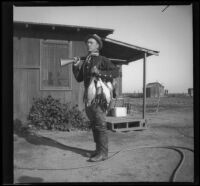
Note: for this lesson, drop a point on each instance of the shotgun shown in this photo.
(67, 61)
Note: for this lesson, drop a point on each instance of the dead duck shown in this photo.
(99, 92)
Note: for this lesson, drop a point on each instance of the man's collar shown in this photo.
(94, 54)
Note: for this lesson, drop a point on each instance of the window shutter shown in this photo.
(53, 76)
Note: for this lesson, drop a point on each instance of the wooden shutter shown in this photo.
(53, 76)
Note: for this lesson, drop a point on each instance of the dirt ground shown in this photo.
(60, 156)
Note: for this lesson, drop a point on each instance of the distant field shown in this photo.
(152, 104)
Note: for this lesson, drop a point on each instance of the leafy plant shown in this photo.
(49, 113)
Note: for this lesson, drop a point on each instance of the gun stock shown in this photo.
(67, 61)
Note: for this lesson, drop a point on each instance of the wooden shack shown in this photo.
(155, 90)
(37, 49)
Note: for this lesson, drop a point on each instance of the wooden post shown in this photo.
(144, 86)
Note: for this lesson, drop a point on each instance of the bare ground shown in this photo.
(60, 156)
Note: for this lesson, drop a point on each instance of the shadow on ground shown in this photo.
(28, 179)
(31, 137)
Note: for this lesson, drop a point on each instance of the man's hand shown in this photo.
(76, 61)
(95, 71)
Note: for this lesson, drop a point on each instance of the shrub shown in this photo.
(49, 113)
(21, 129)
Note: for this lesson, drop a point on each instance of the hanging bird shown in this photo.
(106, 90)
(99, 92)
(90, 93)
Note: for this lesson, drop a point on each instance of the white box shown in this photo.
(119, 112)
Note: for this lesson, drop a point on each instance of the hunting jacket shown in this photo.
(107, 69)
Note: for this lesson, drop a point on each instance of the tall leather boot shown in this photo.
(95, 152)
(103, 147)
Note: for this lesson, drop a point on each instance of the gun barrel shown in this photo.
(66, 61)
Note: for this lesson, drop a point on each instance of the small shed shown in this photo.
(155, 90)
(37, 50)
(190, 91)
(166, 92)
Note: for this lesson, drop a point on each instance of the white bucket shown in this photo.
(119, 112)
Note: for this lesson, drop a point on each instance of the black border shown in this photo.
(7, 90)
(101, 2)
(7, 79)
(196, 88)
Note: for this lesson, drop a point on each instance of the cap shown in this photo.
(97, 38)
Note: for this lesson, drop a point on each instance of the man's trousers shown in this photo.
(97, 118)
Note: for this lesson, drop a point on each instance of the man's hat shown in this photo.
(97, 38)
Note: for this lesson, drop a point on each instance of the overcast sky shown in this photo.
(169, 32)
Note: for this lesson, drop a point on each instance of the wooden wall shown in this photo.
(119, 82)
(26, 63)
(154, 91)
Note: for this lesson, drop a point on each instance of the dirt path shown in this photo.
(37, 157)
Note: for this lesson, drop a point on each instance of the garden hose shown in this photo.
(174, 148)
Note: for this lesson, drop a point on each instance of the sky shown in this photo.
(169, 32)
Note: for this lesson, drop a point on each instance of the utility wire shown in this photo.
(165, 8)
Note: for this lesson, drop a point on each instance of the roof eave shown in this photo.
(149, 51)
(104, 31)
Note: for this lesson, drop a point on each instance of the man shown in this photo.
(101, 67)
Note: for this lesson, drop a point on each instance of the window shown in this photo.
(52, 75)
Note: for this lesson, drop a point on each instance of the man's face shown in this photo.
(92, 45)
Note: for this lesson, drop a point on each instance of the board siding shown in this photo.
(26, 52)
(26, 55)
(20, 94)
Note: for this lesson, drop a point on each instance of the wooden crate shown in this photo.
(125, 123)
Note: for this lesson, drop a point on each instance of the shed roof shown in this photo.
(154, 84)
(102, 32)
(124, 51)
(120, 52)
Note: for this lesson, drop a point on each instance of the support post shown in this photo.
(144, 86)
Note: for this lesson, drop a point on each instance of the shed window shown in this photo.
(52, 75)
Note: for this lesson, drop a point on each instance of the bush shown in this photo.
(22, 129)
(49, 113)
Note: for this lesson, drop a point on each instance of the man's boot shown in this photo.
(103, 148)
(101, 156)
(95, 152)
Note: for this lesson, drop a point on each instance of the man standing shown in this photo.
(101, 67)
